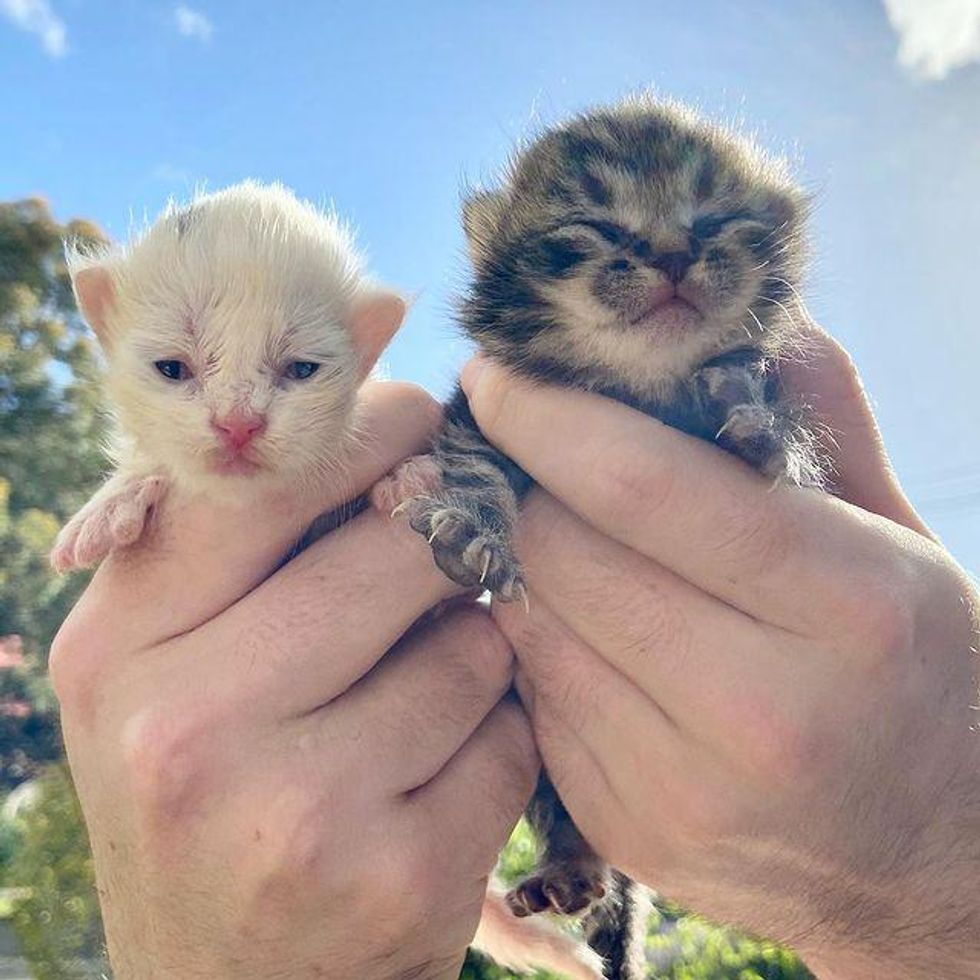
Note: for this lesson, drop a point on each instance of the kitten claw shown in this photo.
(400, 509)
(725, 427)
(520, 592)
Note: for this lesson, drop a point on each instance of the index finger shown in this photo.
(785, 555)
(206, 554)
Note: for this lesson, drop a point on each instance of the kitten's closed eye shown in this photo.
(710, 225)
(174, 370)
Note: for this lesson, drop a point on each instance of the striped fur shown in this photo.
(649, 255)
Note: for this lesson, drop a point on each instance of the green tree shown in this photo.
(50, 460)
(50, 432)
(58, 923)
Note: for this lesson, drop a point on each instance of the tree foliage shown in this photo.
(50, 432)
(58, 923)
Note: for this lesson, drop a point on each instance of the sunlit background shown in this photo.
(388, 109)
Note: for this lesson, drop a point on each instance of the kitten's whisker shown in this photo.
(774, 232)
(788, 285)
(758, 322)
(775, 302)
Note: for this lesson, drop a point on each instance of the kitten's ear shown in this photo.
(375, 317)
(95, 294)
(482, 212)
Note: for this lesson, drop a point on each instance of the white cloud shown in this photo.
(192, 23)
(935, 36)
(37, 17)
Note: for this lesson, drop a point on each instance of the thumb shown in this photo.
(827, 379)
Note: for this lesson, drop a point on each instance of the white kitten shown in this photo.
(236, 331)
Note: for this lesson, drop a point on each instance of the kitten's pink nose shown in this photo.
(238, 429)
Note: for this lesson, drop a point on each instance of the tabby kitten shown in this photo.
(646, 254)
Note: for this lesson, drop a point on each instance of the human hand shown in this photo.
(760, 702)
(267, 792)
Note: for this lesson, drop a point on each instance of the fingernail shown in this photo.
(471, 372)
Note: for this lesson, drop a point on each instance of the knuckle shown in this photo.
(754, 538)
(164, 756)
(490, 400)
(475, 668)
(480, 652)
(400, 888)
(882, 617)
(414, 399)
(779, 751)
(649, 624)
(698, 815)
(566, 692)
(633, 479)
(74, 664)
(298, 838)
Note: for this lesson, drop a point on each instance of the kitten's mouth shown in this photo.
(669, 310)
(239, 464)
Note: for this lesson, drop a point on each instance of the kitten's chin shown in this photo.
(229, 476)
(671, 318)
(236, 466)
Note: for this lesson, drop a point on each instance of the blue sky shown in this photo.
(108, 108)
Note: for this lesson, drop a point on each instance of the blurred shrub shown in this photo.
(58, 924)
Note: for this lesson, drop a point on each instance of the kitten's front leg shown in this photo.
(741, 402)
(463, 497)
(113, 518)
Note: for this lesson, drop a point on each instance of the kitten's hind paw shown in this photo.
(468, 553)
(566, 889)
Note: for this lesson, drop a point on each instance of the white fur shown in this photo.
(257, 280)
(238, 284)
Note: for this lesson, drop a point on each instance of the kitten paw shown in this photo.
(563, 888)
(772, 443)
(753, 433)
(418, 476)
(470, 554)
(113, 518)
